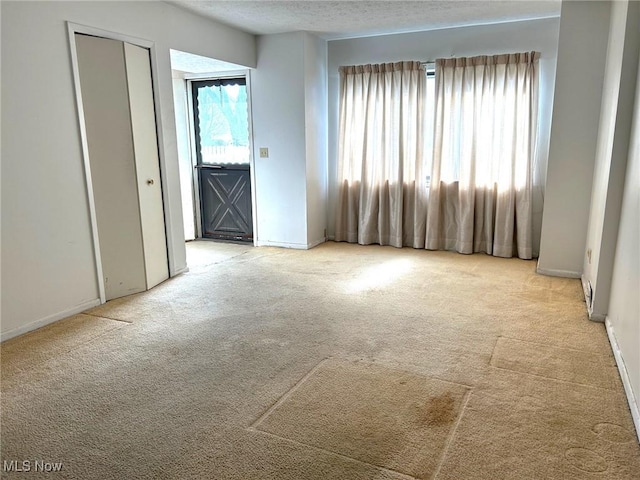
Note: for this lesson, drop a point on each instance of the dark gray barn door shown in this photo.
(225, 196)
(221, 123)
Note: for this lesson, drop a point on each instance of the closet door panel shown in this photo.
(107, 121)
(145, 145)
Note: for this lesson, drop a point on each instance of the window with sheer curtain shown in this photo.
(484, 141)
(382, 191)
(448, 167)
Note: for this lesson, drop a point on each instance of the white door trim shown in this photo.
(195, 184)
(252, 173)
(189, 78)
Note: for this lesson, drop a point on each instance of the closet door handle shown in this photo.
(150, 181)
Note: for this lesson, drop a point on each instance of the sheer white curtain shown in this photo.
(484, 141)
(381, 184)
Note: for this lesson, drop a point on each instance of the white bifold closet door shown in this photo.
(119, 118)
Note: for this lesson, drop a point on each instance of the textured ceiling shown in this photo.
(190, 63)
(355, 18)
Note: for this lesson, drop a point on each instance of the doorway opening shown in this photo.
(212, 101)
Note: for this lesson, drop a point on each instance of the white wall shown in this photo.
(623, 320)
(582, 46)
(611, 153)
(48, 269)
(184, 154)
(613, 230)
(286, 95)
(277, 92)
(539, 35)
(315, 65)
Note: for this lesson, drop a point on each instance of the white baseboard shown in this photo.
(624, 376)
(316, 243)
(184, 269)
(49, 319)
(296, 246)
(585, 290)
(594, 317)
(558, 273)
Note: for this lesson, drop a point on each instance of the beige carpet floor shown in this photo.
(342, 362)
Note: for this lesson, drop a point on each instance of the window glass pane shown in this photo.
(430, 111)
(223, 122)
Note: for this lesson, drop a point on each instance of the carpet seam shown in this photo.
(495, 345)
(228, 259)
(67, 351)
(555, 346)
(92, 339)
(287, 394)
(555, 379)
(330, 452)
(402, 370)
(246, 260)
(130, 322)
(452, 434)
(254, 427)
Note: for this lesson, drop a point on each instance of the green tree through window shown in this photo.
(222, 111)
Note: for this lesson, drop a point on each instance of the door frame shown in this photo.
(72, 30)
(197, 214)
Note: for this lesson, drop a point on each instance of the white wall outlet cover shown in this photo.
(264, 152)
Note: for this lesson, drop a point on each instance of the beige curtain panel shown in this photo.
(381, 189)
(480, 196)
